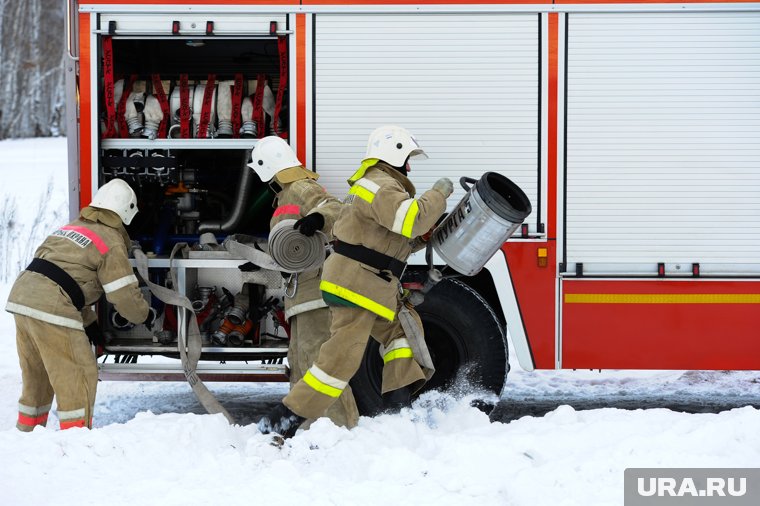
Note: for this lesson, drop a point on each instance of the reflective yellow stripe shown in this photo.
(399, 353)
(359, 300)
(662, 298)
(320, 387)
(366, 164)
(411, 214)
(362, 193)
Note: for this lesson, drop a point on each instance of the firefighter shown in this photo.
(301, 198)
(376, 232)
(51, 300)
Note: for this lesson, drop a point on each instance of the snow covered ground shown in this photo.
(152, 445)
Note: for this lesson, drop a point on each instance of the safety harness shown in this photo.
(61, 278)
(379, 261)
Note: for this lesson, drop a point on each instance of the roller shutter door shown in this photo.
(663, 141)
(465, 85)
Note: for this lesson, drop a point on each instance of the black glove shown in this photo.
(249, 267)
(94, 334)
(309, 224)
(151, 319)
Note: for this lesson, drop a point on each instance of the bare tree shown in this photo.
(31, 68)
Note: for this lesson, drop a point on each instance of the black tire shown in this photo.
(465, 340)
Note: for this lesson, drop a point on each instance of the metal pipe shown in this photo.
(244, 191)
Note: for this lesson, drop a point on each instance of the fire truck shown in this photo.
(632, 127)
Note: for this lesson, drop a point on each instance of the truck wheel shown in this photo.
(465, 340)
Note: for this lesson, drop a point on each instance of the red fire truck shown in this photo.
(633, 127)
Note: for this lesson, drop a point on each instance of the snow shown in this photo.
(153, 444)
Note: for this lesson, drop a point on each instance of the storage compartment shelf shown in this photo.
(178, 143)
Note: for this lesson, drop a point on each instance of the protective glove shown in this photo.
(94, 334)
(151, 319)
(249, 267)
(444, 186)
(309, 224)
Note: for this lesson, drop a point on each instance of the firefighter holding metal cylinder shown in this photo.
(300, 197)
(51, 300)
(375, 234)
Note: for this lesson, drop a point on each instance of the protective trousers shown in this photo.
(54, 360)
(340, 358)
(308, 331)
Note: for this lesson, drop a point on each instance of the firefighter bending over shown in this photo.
(51, 301)
(375, 234)
(301, 198)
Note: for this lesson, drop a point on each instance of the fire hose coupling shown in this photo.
(224, 108)
(120, 323)
(133, 113)
(249, 129)
(234, 328)
(153, 117)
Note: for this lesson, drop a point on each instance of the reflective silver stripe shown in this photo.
(401, 212)
(119, 283)
(30, 411)
(368, 185)
(62, 321)
(325, 378)
(76, 414)
(304, 307)
(396, 344)
(325, 201)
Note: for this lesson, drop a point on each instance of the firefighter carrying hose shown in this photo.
(51, 301)
(375, 234)
(301, 198)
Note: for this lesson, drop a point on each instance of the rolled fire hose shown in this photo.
(244, 247)
(416, 337)
(295, 252)
(189, 344)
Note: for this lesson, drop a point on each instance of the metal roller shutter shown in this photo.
(465, 85)
(663, 142)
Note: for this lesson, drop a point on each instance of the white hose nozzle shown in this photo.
(133, 117)
(248, 129)
(153, 117)
(224, 108)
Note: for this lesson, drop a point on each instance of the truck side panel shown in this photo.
(654, 324)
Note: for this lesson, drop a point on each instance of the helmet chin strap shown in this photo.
(406, 168)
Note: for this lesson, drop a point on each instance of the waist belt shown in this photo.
(59, 276)
(370, 257)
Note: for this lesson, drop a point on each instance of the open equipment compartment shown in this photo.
(181, 103)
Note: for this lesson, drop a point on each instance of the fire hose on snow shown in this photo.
(190, 342)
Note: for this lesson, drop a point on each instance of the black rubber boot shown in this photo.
(280, 420)
(395, 400)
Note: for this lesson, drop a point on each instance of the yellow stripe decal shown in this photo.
(362, 193)
(411, 214)
(662, 298)
(359, 300)
(320, 387)
(399, 353)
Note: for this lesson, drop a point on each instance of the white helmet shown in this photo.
(393, 145)
(271, 155)
(117, 196)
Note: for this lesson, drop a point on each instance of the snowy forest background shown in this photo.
(32, 91)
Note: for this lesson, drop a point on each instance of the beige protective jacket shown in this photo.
(93, 251)
(383, 215)
(296, 200)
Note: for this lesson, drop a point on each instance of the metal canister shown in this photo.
(493, 208)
